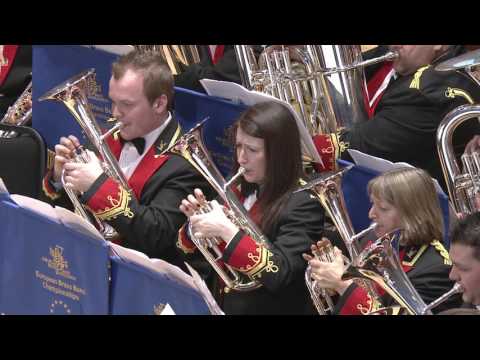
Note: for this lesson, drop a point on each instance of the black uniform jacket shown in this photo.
(426, 266)
(280, 269)
(407, 116)
(226, 69)
(149, 219)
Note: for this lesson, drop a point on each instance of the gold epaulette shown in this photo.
(415, 84)
(443, 252)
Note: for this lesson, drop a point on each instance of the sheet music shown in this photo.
(76, 222)
(382, 165)
(112, 49)
(167, 310)
(204, 292)
(3, 187)
(238, 94)
(168, 270)
(37, 206)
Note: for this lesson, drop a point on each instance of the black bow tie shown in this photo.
(139, 143)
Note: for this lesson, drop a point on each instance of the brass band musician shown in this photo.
(402, 199)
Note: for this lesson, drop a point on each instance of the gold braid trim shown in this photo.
(415, 84)
(119, 206)
(50, 159)
(454, 92)
(372, 305)
(180, 245)
(443, 252)
(417, 256)
(262, 263)
(48, 193)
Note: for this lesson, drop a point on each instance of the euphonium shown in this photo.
(462, 187)
(73, 94)
(191, 147)
(380, 263)
(19, 113)
(176, 56)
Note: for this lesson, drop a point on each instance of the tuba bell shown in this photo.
(192, 148)
(73, 94)
(462, 185)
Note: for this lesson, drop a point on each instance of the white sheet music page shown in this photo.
(382, 165)
(37, 206)
(239, 94)
(78, 223)
(204, 292)
(3, 187)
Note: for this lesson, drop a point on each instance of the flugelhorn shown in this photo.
(191, 147)
(73, 94)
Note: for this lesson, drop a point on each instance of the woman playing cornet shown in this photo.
(401, 199)
(267, 146)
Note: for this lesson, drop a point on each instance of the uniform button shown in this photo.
(226, 289)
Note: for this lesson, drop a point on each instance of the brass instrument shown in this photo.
(321, 297)
(19, 113)
(191, 147)
(462, 186)
(456, 289)
(380, 263)
(73, 94)
(327, 190)
(176, 56)
(327, 74)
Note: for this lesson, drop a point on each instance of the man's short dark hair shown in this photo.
(467, 232)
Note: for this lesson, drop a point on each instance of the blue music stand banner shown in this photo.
(357, 201)
(47, 268)
(52, 65)
(192, 107)
(136, 290)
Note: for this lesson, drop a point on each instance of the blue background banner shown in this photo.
(136, 290)
(47, 268)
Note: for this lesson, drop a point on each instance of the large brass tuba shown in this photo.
(191, 147)
(73, 94)
(327, 89)
(176, 56)
(379, 262)
(19, 113)
(462, 186)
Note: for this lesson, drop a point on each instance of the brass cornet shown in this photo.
(19, 113)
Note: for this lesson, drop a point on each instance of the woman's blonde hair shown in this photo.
(412, 192)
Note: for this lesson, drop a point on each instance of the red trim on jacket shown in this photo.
(9, 53)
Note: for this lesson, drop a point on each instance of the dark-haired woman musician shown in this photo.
(267, 146)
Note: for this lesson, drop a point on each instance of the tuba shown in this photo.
(325, 83)
(380, 263)
(327, 190)
(176, 56)
(191, 147)
(73, 94)
(462, 186)
(19, 113)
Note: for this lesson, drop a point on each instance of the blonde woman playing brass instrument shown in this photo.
(401, 199)
(267, 146)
